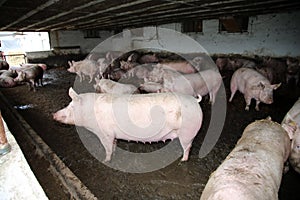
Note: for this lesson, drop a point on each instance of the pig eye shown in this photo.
(298, 147)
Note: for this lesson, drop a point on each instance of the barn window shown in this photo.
(234, 24)
(91, 34)
(192, 26)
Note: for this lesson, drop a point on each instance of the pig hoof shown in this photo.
(247, 108)
(256, 108)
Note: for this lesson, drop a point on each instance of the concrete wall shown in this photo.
(61, 39)
(273, 35)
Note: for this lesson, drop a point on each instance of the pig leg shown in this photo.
(91, 78)
(233, 88)
(186, 146)
(248, 102)
(257, 103)
(108, 144)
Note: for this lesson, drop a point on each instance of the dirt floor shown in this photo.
(176, 181)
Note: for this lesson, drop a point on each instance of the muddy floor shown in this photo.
(175, 181)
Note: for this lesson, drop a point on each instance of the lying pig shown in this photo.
(151, 87)
(148, 58)
(293, 117)
(84, 67)
(32, 75)
(253, 169)
(293, 70)
(202, 83)
(7, 78)
(184, 67)
(253, 85)
(112, 87)
(181, 118)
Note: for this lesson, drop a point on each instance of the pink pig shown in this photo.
(177, 116)
(253, 85)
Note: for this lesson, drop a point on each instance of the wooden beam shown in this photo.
(92, 14)
(29, 14)
(92, 3)
(199, 15)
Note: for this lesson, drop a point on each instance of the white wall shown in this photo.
(268, 35)
(76, 38)
(272, 35)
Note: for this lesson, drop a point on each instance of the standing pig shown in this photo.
(178, 116)
(293, 70)
(202, 83)
(32, 75)
(253, 169)
(253, 85)
(293, 118)
(84, 67)
(112, 87)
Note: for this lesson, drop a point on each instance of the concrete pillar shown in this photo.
(4, 146)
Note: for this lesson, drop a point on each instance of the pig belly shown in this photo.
(254, 166)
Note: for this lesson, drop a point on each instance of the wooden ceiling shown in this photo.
(51, 15)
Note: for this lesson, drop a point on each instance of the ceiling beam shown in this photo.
(93, 14)
(92, 3)
(175, 13)
(198, 14)
(29, 14)
(144, 11)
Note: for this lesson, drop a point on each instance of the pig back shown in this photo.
(253, 169)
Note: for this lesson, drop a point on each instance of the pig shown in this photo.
(4, 65)
(116, 74)
(152, 87)
(184, 67)
(32, 75)
(140, 72)
(126, 65)
(7, 78)
(181, 118)
(278, 67)
(158, 73)
(291, 123)
(253, 85)
(27, 65)
(242, 62)
(266, 72)
(133, 57)
(112, 87)
(223, 63)
(84, 67)
(196, 84)
(102, 65)
(112, 55)
(253, 169)
(293, 70)
(148, 58)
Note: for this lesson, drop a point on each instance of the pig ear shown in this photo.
(74, 96)
(275, 86)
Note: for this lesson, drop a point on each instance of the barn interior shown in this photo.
(59, 155)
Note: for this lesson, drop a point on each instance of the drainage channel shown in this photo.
(70, 183)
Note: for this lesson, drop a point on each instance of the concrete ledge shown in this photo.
(17, 181)
(69, 180)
